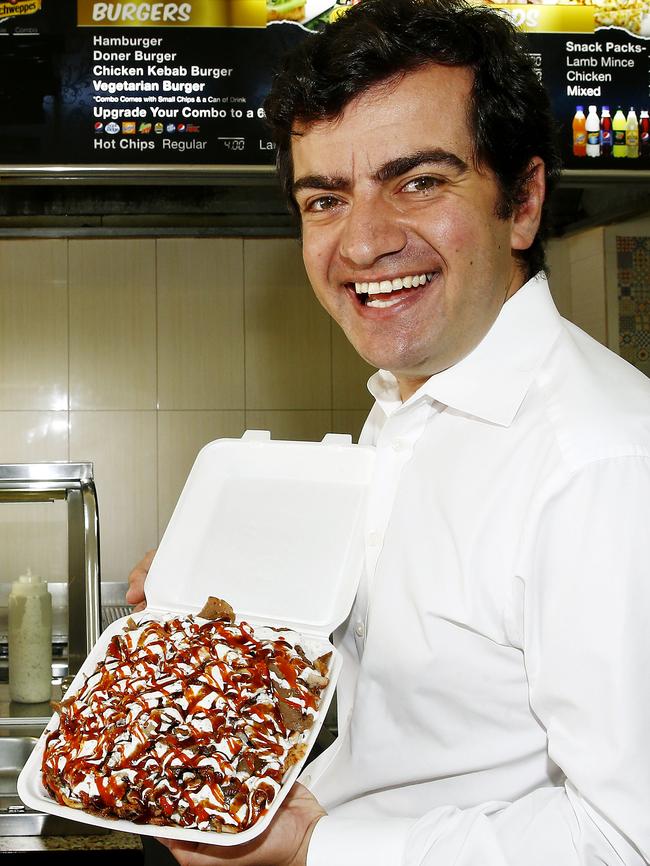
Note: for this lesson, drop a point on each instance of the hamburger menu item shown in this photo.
(285, 10)
(633, 15)
(191, 721)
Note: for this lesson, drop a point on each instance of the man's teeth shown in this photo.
(387, 286)
(383, 303)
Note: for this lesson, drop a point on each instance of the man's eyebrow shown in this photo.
(389, 171)
(435, 157)
(320, 181)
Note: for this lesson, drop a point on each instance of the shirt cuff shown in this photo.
(358, 841)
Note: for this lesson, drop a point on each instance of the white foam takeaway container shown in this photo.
(273, 527)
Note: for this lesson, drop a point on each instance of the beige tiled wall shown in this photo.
(584, 278)
(34, 325)
(112, 313)
(132, 354)
(557, 258)
(577, 280)
(200, 325)
(288, 335)
(588, 295)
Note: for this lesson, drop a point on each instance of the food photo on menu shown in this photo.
(307, 12)
(630, 15)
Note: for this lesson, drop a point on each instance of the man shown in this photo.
(494, 706)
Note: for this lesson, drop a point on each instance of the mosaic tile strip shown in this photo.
(633, 280)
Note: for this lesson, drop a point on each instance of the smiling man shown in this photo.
(402, 237)
(494, 703)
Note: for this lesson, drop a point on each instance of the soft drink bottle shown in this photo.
(644, 134)
(592, 126)
(619, 126)
(632, 134)
(606, 133)
(579, 133)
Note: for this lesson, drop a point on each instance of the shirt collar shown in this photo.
(492, 381)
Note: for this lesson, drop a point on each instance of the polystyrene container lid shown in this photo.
(273, 527)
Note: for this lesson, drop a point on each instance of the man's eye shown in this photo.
(421, 184)
(322, 203)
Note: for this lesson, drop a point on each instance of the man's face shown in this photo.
(400, 235)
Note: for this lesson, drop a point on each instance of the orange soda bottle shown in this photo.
(579, 132)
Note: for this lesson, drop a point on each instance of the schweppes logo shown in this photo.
(192, 13)
(19, 7)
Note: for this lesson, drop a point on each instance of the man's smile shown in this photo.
(385, 293)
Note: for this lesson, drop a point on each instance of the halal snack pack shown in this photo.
(193, 718)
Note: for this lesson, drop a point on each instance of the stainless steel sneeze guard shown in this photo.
(46, 482)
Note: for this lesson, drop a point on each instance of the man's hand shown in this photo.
(285, 842)
(135, 593)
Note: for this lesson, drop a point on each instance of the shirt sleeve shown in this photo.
(586, 617)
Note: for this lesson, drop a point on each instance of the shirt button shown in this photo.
(359, 629)
(373, 538)
(398, 444)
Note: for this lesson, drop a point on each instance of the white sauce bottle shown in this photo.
(30, 640)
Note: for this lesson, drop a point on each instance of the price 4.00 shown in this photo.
(233, 143)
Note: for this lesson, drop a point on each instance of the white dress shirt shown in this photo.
(494, 707)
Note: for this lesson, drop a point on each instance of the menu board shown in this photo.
(85, 83)
(146, 84)
(594, 60)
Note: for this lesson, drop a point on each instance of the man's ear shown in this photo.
(527, 214)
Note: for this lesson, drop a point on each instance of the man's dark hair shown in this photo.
(509, 111)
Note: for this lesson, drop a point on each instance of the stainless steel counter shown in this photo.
(76, 628)
(72, 482)
(16, 744)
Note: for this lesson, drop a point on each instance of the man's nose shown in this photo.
(371, 230)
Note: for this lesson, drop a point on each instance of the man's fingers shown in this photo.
(147, 559)
(193, 854)
(135, 592)
(180, 850)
